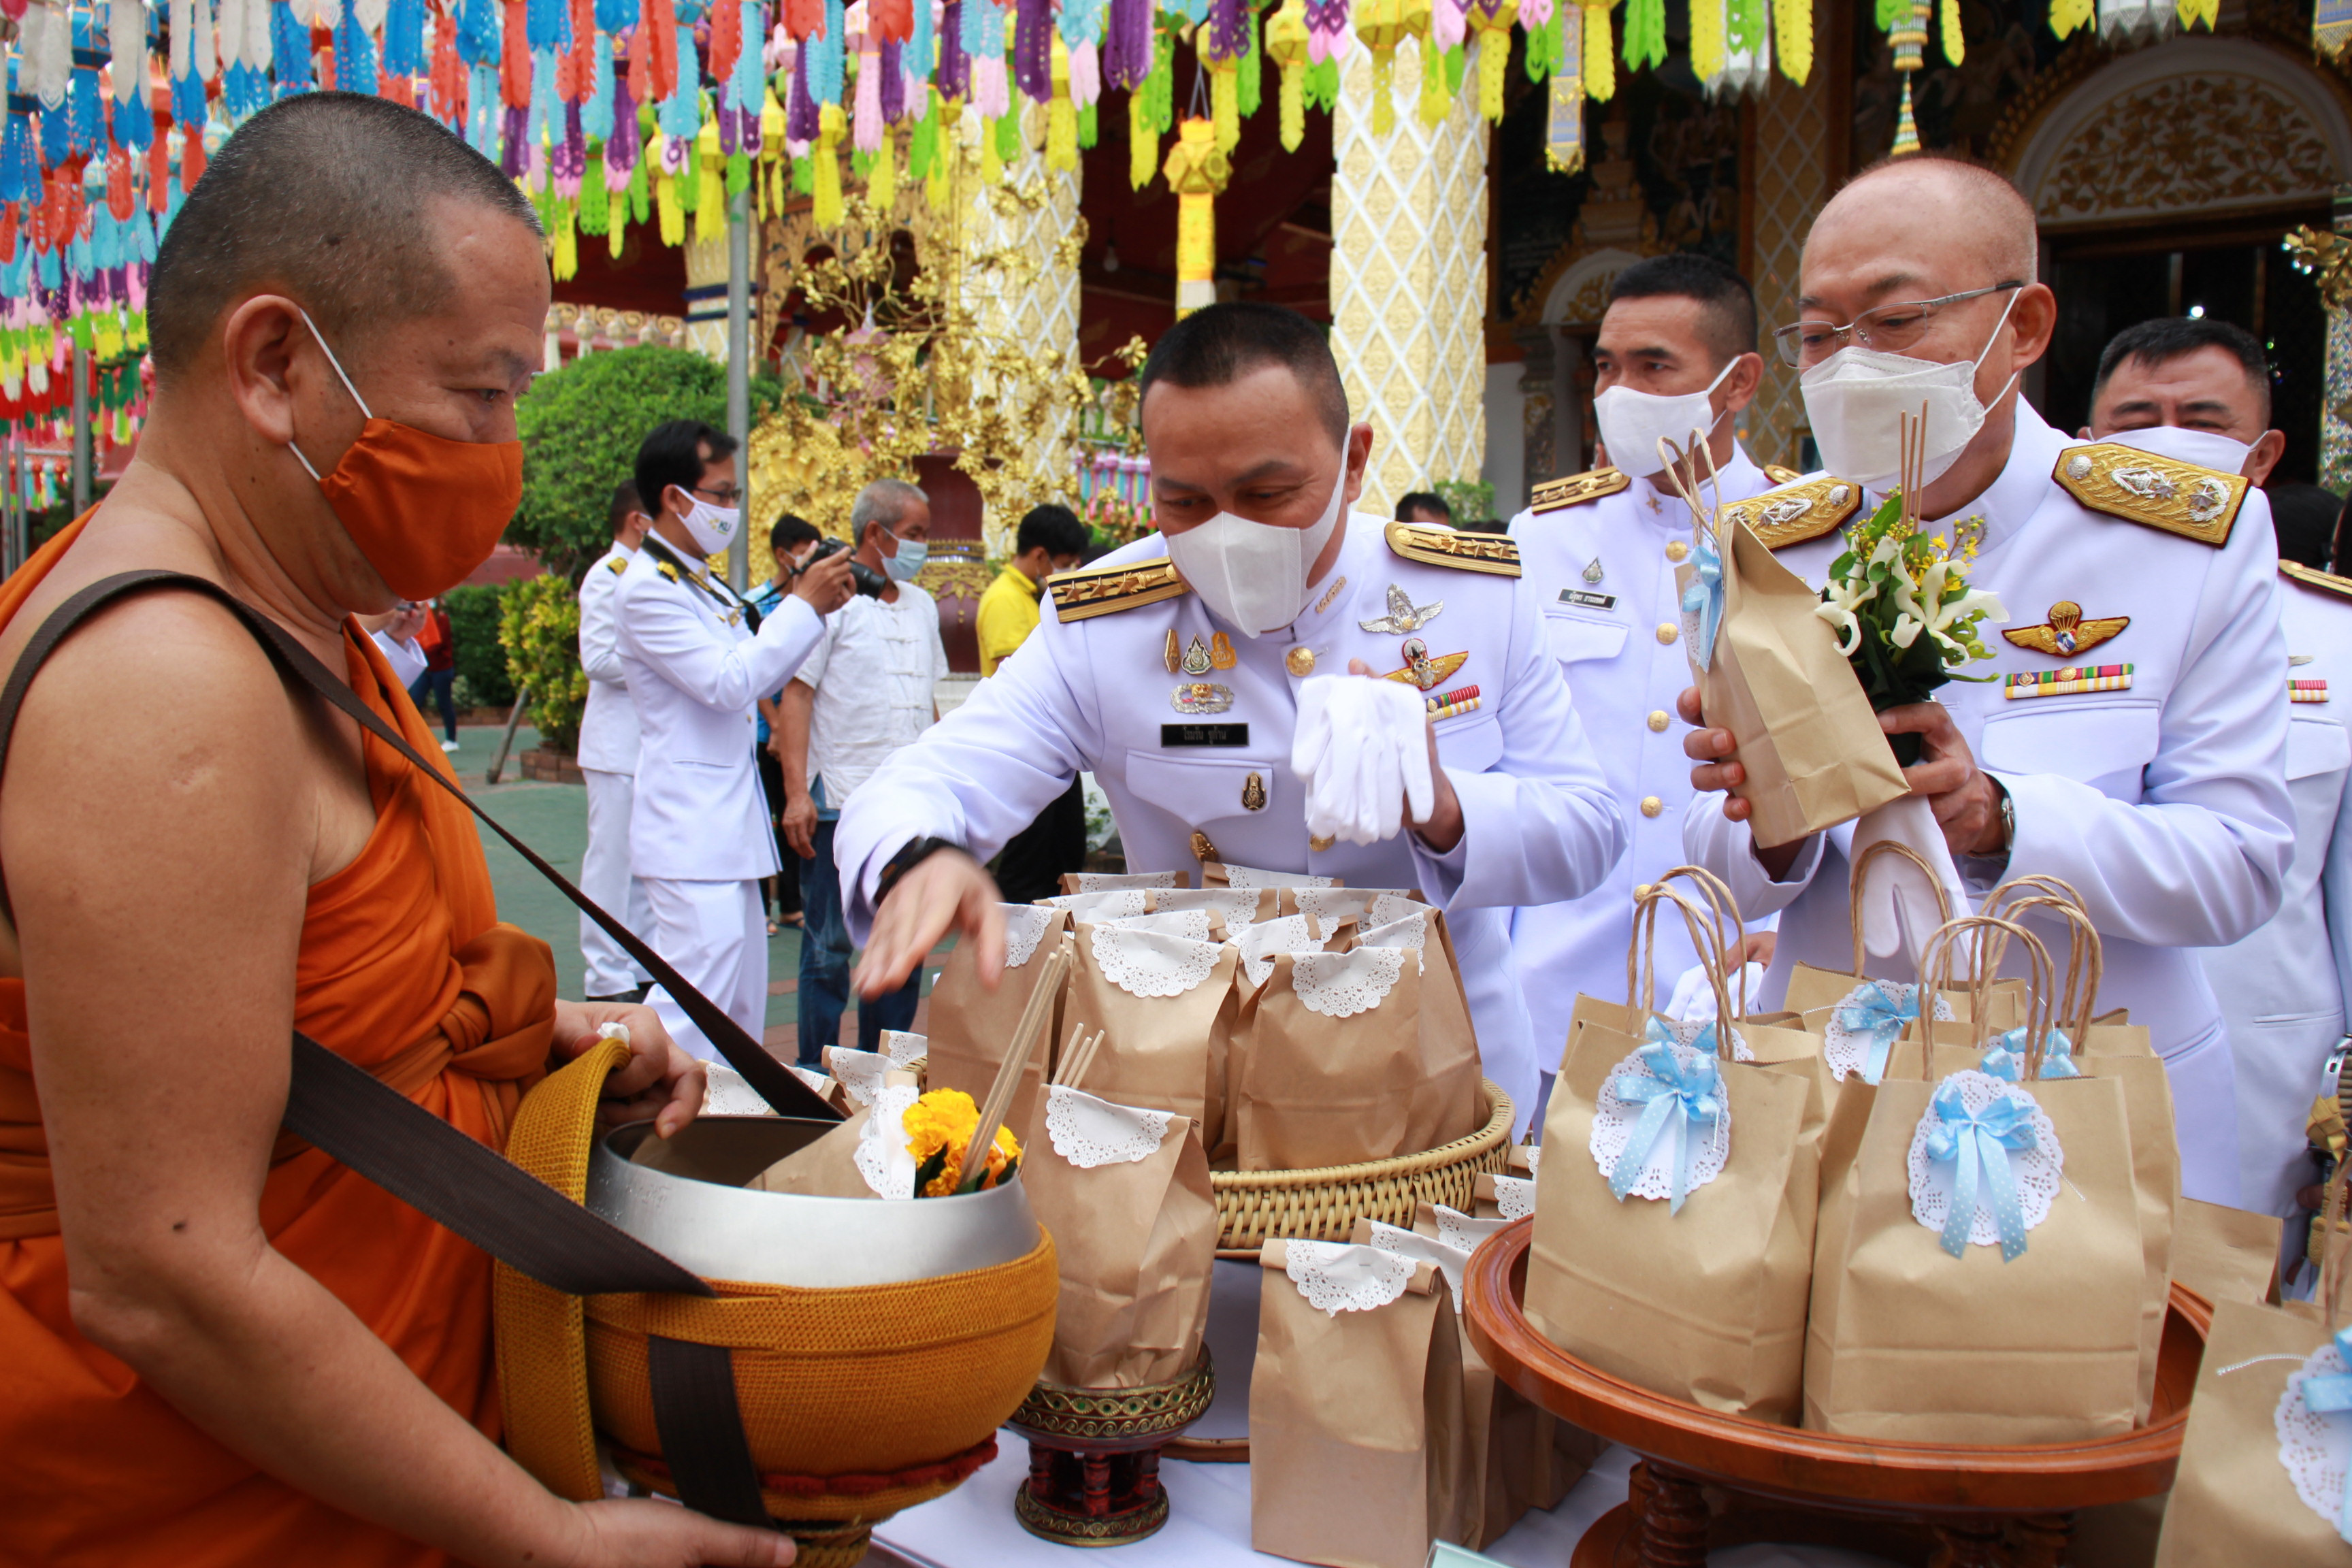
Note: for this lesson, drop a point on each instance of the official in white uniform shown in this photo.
(608, 761)
(695, 667)
(1192, 669)
(1676, 355)
(2133, 743)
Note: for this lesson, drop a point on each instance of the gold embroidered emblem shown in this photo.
(2155, 491)
(1780, 476)
(1433, 546)
(1795, 513)
(1422, 670)
(1575, 489)
(1104, 590)
(2312, 577)
(2066, 632)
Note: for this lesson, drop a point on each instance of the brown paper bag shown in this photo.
(824, 1169)
(1125, 1194)
(1331, 1069)
(1168, 1006)
(1106, 881)
(1356, 1418)
(2225, 1253)
(1909, 1342)
(1702, 1299)
(1817, 993)
(1238, 905)
(970, 1026)
(1812, 749)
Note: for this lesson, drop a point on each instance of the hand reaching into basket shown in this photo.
(629, 1532)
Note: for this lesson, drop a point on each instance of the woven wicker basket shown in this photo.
(1322, 1203)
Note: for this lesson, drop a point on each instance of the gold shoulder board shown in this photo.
(2312, 577)
(1794, 513)
(667, 570)
(1780, 476)
(1433, 546)
(1102, 590)
(2155, 491)
(616, 565)
(1554, 494)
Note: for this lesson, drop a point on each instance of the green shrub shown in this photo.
(539, 626)
(481, 657)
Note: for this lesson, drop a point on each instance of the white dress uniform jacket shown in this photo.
(2283, 989)
(1598, 552)
(608, 724)
(608, 760)
(406, 659)
(2164, 803)
(1181, 754)
(695, 671)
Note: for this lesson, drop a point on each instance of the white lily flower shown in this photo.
(1849, 628)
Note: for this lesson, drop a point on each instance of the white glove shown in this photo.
(1898, 909)
(1362, 750)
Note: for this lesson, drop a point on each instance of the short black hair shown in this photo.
(1728, 313)
(625, 500)
(791, 529)
(676, 453)
(2304, 516)
(1424, 500)
(1055, 530)
(322, 196)
(1218, 344)
(2168, 338)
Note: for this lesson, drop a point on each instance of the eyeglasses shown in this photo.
(1890, 327)
(725, 495)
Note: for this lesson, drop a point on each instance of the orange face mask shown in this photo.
(425, 509)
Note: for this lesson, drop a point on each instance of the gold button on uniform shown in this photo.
(1668, 631)
(1657, 721)
(1320, 842)
(1299, 661)
(1676, 549)
(1652, 805)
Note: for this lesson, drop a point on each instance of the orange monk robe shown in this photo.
(403, 970)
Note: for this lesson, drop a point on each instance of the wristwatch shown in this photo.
(913, 854)
(2008, 819)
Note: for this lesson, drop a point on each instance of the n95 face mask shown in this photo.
(1253, 575)
(1632, 423)
(1857, 398)
(713, 527)
(2207, 448)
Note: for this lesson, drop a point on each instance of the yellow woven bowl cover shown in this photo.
(860, 1382)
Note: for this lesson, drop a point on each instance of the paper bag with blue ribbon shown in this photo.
(2265, 1472)
(1769, 669)
(1978, 1267)
(1673, 1220)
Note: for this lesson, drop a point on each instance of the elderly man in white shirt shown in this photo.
(865, 691)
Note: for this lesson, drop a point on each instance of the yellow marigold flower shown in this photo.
(946, 1120)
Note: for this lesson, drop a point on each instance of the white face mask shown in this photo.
(2207, 448)
(1253, 575)
(1855, 399)
(1632, 423)
(713, 527)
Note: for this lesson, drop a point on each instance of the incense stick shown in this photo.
(1085, 1058)
(1069, 1054)
(1025, 1035)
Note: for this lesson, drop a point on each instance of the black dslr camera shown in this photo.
(869, 582)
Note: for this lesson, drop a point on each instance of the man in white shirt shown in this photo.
(395, 634)
(608, 761)
(865, 691)
(695, 663)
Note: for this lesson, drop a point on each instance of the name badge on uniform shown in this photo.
(1583, 600)
(1205, 735)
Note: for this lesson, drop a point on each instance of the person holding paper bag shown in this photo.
(1270, 681)
(2132, 742)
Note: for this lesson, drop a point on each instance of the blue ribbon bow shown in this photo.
(1870, 1012)
(1980, 1145)
(2332, 1396)
(1704, 598)
(1690, 1098)
(2005, 1058)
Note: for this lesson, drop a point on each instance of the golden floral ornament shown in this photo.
(1197, 170)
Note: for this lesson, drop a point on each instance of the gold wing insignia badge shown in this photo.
(2155, 491)
(2066, 632)
(1433, 546)
(1103, 590)
(1795, 513)
(1573, 489)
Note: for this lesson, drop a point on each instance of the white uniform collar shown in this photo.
(1737, 479)
(1335, 589)
(2023, 486)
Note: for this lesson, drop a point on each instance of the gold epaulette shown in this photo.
(1780, 476)
(1794, 513)
(668, 571)
(2312, 577)
(2155, 491)
(1435, 546)
(617, 565)
(1103, 590)
(1574, 489)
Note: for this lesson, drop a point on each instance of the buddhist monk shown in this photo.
(217, 1347)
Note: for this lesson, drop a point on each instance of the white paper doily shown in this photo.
(1148, 964)
(1115, 904)
(859, 1072)
(1192, 925)
(1514, 1196)
(1337, 1277)
(1259, 943)
(2036, 1171)
(815, 1080)
(1410, 930)
(1850, 1053)
(1251, 877)
(2317, 1449)
(1450, 1261)
(1239, 906)
(1534, 1152)
(1465, 1231)
(1024, 927)
(731, 1095)
(1088, 1132)
(1687, 1032)
(1342, 985)
(904, 1046)
(1613, 1128)
(882, 1156)
(1105, 882)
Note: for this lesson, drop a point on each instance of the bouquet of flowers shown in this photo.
(1900, 601)
(939, 1127)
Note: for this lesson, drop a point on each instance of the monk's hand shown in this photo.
(658, 1081)
(946, 891)
(642, 1534)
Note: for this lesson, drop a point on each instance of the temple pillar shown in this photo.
(2335, 396)
(1790, 179)
(1409, 279)
(706, 295)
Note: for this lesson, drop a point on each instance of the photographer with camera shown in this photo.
(697, 657)
(865, 691)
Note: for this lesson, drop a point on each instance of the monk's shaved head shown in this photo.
(1963, 207)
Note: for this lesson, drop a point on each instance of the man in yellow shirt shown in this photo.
(1051, 539)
